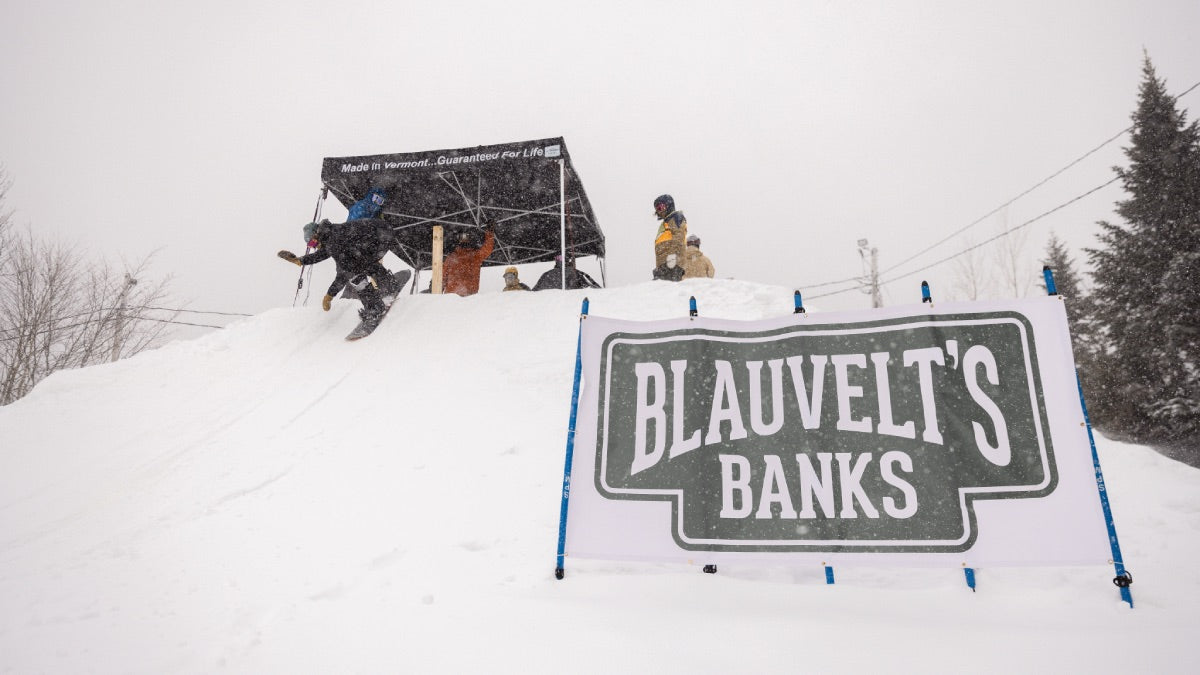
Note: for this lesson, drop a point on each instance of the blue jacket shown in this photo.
(366, 207)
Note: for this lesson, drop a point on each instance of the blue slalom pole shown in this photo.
(925, 296)
(828, 575)
(799, 303)
(692, 307)
(559, 570)
(969, 572)
(1123, 578)
(1048, 275)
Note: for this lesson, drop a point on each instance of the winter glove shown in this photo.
(290, 257)
(325, 302)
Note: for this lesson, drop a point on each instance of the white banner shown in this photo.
(929, 435)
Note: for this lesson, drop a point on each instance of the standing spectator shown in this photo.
(511, 282)
(460, 271)
(552, 279)
(669, 270)
(672, 230)
(696, 265)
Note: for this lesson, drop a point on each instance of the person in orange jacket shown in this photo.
(460, 271)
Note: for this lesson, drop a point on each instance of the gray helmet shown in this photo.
(314, 230)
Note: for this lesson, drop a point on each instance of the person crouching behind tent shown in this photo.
(696, 265)
(511, 282)
(460, 271)
(354, 247)
(552, 279)
(672, 230)
(669, 270)
(369, 206)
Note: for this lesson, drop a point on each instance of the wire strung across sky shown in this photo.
(109, 314)
(975, 246)
(1004, 233)
(198, 311)
(177, 323)
(858, 280)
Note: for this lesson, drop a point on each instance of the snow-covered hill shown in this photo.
(270, 498)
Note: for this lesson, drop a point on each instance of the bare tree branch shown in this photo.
(59, 310)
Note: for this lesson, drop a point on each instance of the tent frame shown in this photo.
(524, 212)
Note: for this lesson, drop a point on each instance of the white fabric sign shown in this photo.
(928, 435)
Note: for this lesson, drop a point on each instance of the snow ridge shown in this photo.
(272, 498)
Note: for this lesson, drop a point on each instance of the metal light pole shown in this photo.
(871, 278)
(119, 324)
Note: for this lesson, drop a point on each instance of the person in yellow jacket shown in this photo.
(672, 230)
(511, 282)
(696, 265)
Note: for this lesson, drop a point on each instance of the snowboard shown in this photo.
(366, 327)
(399, 281)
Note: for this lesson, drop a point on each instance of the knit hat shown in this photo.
(510, 270)
(693, 240)
(311, 230)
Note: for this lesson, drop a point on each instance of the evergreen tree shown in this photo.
(1145, 271)
(1059, 260)
(1079, 309)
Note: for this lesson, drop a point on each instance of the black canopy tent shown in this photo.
(528, 189)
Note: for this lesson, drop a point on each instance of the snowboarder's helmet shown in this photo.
(316, 230)
(664, 203)
(693, 240)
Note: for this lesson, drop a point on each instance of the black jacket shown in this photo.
(668, 273)
(552, 279)
(356, 246)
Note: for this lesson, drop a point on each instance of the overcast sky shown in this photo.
(785, 130)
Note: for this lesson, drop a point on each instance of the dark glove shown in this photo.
(290, 257)
(325, 302)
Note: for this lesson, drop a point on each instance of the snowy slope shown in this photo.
(270, 498)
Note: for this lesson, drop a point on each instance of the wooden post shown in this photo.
(436, 284)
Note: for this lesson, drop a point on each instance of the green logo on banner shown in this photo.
(873, 437)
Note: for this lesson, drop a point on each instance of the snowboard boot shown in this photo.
(373, 305)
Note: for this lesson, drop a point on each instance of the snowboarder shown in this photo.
(460, 271)
(669, 270)
(672, 230)
(552, 278)
(511, 282)
(696, 265)
(355, 247)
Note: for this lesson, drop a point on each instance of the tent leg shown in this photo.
(562, 218)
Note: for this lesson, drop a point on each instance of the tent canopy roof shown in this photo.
(514, 185)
